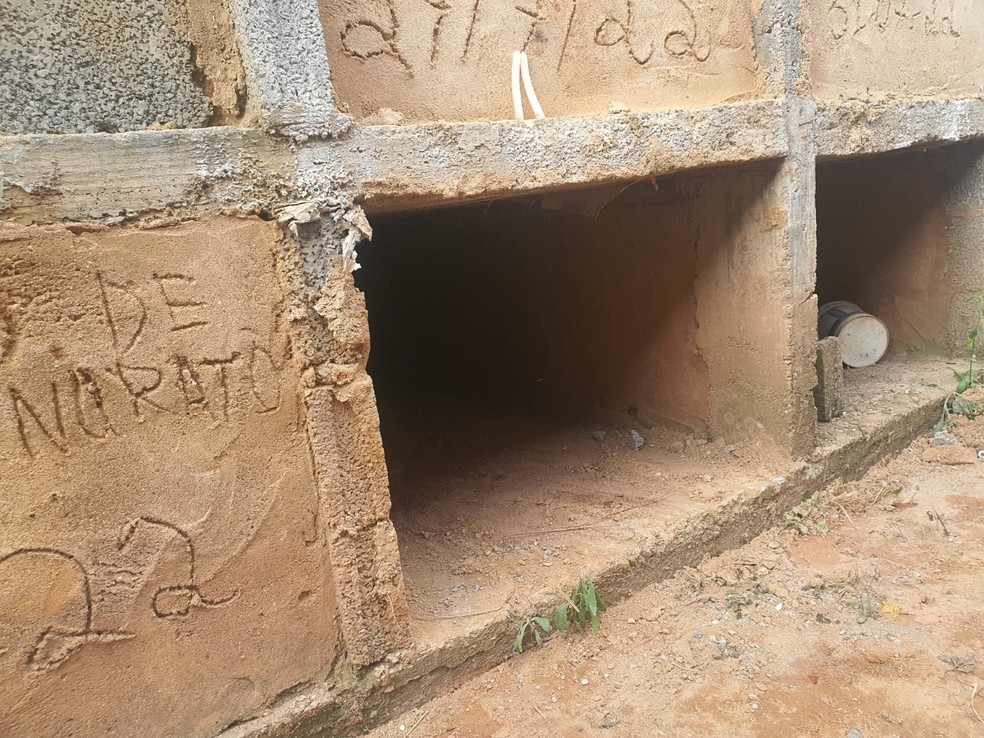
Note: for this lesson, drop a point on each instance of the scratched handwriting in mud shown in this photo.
(75, 404)
(455, 26)
(849, 18)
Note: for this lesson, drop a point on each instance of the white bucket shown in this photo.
(863, 338)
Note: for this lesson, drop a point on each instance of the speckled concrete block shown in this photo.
(78, 66)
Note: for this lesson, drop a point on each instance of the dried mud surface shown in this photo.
(861, 614)
(492, 505)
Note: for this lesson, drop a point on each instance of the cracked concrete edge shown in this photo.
(114, 177)
(408, 679)
(862, 127)
(429, 164)
(283, 48)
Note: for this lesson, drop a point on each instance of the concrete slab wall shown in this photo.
(163, 560)
(85, 66)
(452, 60)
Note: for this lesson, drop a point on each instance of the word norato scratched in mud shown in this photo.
(74, 403)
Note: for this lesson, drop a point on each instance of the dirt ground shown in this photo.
(861, 617)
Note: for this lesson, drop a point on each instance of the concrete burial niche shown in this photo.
(163, 570)
(518, 346)
(439, 60)
(899, 235)
(878, 48)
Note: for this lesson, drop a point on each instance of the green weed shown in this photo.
(956, 403)
(583, 606)
(535, 626)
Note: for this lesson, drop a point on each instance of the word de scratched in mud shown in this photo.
(634, 28)
(849, 18)
(84, 402)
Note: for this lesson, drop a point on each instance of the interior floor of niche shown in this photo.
(493, 505)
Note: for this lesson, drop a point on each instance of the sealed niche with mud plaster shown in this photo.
(539, 364)
(864, 48)
(160, 519)
(450, 59)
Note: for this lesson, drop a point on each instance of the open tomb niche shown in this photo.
(611, 309)
(499, 322)
(896, 235)
(522, 348)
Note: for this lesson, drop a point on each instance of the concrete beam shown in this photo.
(857, 128)
(393, 167)
(114, 177)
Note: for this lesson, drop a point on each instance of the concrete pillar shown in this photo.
(283, 48)
(830, 379)
(755, 338)
(757, 265)
(964, 206)
(331, 332)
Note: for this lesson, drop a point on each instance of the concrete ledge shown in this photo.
(881, 420)
(856, 127)
(395, 167)
(112, 177)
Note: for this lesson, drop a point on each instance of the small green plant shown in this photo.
(537, 627)
(584, 605)
(955, 402)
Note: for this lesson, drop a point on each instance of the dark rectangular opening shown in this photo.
(884, 240)
(521, 350)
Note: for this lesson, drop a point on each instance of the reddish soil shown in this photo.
(862, 617)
